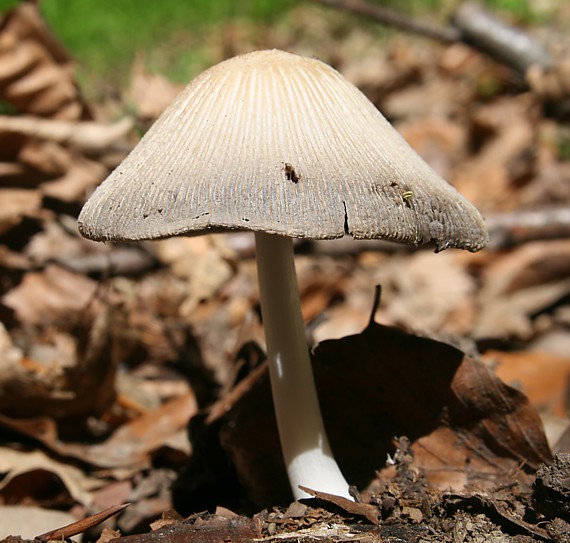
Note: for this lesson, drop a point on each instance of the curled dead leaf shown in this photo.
(465, 425)
(16, 467)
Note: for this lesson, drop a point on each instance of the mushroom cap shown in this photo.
(275, 142)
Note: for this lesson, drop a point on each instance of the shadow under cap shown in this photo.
(271, 141)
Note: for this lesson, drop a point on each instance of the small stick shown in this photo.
(502, 42)
(81, 526)
(393, 18)
(510, 229)
(375, 304)
(471, 24)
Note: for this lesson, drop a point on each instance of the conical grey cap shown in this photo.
(271, 141)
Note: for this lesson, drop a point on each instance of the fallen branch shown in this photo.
(470, 24)
(510, 229)
(509, 45)
(506, 230)
(393, 18)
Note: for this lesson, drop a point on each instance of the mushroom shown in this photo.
(283, 146)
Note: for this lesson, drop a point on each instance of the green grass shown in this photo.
(104, 36)
(107, 34)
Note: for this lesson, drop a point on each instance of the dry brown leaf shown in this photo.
(440, 142)
(542, 377)
(435, 97)
(320, 280)
(60, 376)
(339, 321)
(512, 315)
(427, 292)
(43, 429)
(459, 60)
(520, 285)
(551, 83)
(54, 242)
(108, 535)
(205, 262)
(380, 72)
(17, 467)
(68, 362)
(152, 316)
(9, 353)
(52, 296)
(48, 158)
(39, 383)
(36, 77)
(370, 512)
(15, 204)
(11, 169)
(132, 445)
(36, 71)
(531, 265)
(149, 93)
(87, 136)
(465, 425)
(112, 493)
(507, 154)
(82, 177)
(553, 342)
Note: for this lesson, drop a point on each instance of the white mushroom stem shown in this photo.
(304, 441)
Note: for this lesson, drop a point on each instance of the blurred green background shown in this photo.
(175, 37)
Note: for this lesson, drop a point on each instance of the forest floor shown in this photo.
(134, 373)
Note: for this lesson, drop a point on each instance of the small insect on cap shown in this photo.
(271, 141)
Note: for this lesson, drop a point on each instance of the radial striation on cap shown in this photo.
(271, 141)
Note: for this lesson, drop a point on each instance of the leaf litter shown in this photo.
(135, 373)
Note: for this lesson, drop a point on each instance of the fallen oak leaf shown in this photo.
(438, 396)
(63, 375)
(465, 425)
(50, 296)
(132, 444)
(34, 475)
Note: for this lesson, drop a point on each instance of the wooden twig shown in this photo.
(502, 42)
(80, 526)
(470, 24)
(505, 229)
(375, 304)
(118, 261)
(393, 18)
(510, 229)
